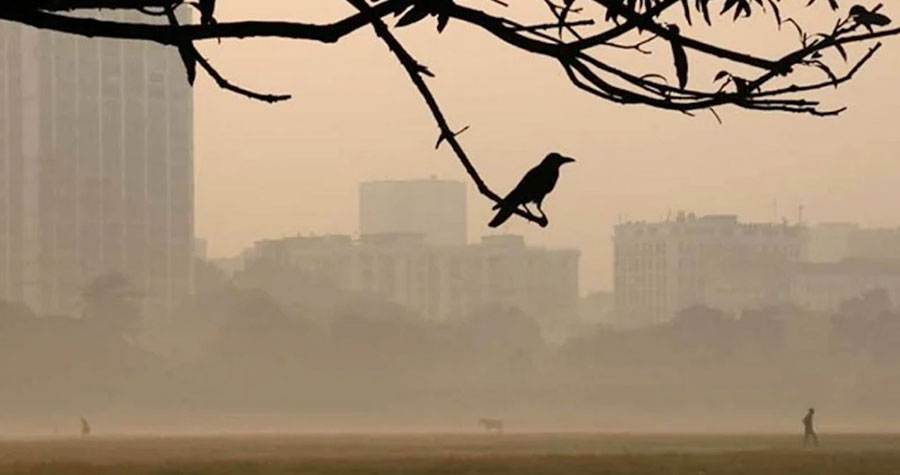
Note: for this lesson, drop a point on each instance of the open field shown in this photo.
(456, 453)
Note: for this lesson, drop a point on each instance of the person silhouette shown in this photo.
(85, 428)
(809, 433)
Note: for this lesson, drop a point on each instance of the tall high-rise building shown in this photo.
(96, 167)
(434, 208)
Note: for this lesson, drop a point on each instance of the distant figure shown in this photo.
(535, 185)
(85, 428)
(492, 425)
(808, 432)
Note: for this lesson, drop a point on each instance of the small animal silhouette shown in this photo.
(491, 425)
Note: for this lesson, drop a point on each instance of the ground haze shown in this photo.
(454, 453)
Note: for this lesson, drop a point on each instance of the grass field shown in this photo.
(454, 454)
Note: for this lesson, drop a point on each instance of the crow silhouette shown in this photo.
(533, 187)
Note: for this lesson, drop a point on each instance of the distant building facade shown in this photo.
(439, 282)
(433, 208)
(96, 167)
(597, 307)
(833, 242)
(846, 261)
(829, 242)
(661, 268)
(824, 286)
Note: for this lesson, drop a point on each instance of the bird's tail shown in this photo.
(501, 216)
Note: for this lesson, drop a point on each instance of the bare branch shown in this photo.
(13, 10)
(636, 24)
(410, 64)
(547, 26)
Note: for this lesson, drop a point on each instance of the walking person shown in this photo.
(85, 428)
(809, 433)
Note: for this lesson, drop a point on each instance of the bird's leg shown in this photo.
(543, 220)
(525, 205)
(541, 210)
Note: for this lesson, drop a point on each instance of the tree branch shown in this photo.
(411, 66)
(13, 10)
(578, 57)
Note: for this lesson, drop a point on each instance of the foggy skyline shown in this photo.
(346, 277)
(273, 170)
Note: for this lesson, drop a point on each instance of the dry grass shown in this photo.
(456, 454)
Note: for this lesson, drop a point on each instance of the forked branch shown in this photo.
(575, 35)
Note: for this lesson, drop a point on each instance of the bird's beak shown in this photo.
(567, 160)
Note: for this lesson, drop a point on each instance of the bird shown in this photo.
(533, 188)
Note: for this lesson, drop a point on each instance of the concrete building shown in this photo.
(439, 282)
(96, 168)
(661, 268)
(833, 242)
(845, 261)
(434, 208)
(597, 307)
(874, 243)
(829, 242)
(823, 286)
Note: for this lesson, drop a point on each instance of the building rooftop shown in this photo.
(432, 179)
(720, 225)
(505, 240)
(400, 240)
(396, 239)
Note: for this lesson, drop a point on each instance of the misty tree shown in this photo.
(589, 39)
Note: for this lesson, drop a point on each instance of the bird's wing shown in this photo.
(523, 192)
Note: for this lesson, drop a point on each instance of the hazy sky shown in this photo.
(275, 170)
